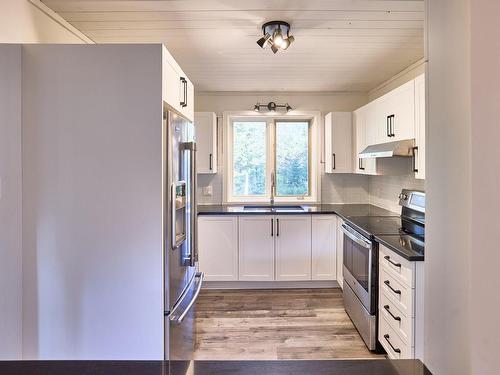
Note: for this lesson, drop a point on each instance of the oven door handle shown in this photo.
(359, 241)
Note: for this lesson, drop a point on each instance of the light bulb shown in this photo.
(278, 39)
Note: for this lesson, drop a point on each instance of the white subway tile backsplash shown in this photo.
(384, 190)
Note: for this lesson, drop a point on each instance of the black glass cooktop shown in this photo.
(410, 247)
(370, 226)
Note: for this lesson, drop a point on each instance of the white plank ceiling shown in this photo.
(339, 45)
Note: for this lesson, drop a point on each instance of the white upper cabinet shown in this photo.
(324, 246)
(419, 150)
(338, 142)
(256, 244)
(293, 247)
(395, 115)
(177, 91)
(206, 142)
(367, 165)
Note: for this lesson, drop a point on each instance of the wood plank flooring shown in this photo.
(275, 324)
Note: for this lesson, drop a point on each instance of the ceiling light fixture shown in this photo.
(277, 35)
(271, 107)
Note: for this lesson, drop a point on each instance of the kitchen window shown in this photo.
(270, 156)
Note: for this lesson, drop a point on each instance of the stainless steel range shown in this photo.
(361, 258)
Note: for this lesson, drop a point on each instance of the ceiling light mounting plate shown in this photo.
(271, 26)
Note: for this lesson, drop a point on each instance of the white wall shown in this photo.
(335, 188)
(20, 22)
(92, 202)
(10, 203)
(448, 303)
(23, 22)
(485, 205)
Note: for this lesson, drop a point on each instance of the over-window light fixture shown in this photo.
(277, 35)
(271, 107)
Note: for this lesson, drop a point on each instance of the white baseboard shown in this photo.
(269, 284)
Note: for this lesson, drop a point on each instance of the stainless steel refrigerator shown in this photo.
(182, 281)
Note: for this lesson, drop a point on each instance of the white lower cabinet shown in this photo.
(293, 247)
(400, 305)
(256, 248)
(268, 247)
(324, 246)
(218, 247)
(340, 253)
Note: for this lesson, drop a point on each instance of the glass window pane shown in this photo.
(292, 158)
(249, 158)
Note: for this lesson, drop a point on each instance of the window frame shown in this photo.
(313, 118)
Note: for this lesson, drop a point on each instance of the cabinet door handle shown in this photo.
(210, 161)
(185, 93)
(361, 164)
(391, 123)
(272, 228)
(386, 307)
(277, 227)
(388, 126)
(388, 258)
(334, 161)
(415, 153)
(396, 350)
(397, 291)
(183, 102)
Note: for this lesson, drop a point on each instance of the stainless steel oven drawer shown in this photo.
(365, 323)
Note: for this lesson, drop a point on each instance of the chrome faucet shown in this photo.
(273, 187)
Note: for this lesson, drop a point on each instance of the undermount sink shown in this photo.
(274, 208)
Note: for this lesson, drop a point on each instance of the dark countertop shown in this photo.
(323, 367)
(343, 210)
(407, 246)
(378, 223)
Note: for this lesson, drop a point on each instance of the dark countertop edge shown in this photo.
(412, 258)
(339, 209)
(279, 367)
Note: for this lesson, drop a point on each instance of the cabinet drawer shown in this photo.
(400, 294)
(395, 347)
(397, 266)
(398, 321)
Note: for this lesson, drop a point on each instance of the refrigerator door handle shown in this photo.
(178, 319)
(191, 146)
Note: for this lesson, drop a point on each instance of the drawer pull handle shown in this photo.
(396, 350)
(386, 307)
(386, 282)
(388, 258)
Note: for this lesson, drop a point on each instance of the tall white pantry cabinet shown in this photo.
(92, 156)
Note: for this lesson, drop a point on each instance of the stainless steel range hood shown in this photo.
(390, 149)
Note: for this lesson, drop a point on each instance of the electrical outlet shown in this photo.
(207, 191)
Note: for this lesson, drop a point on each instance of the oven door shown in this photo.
(358, 257)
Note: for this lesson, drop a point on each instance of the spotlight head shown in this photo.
(274, 48)
(256, 107)
(287, 107)
(262, 42)
(288, 41)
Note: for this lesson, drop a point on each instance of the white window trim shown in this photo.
(314, 117)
